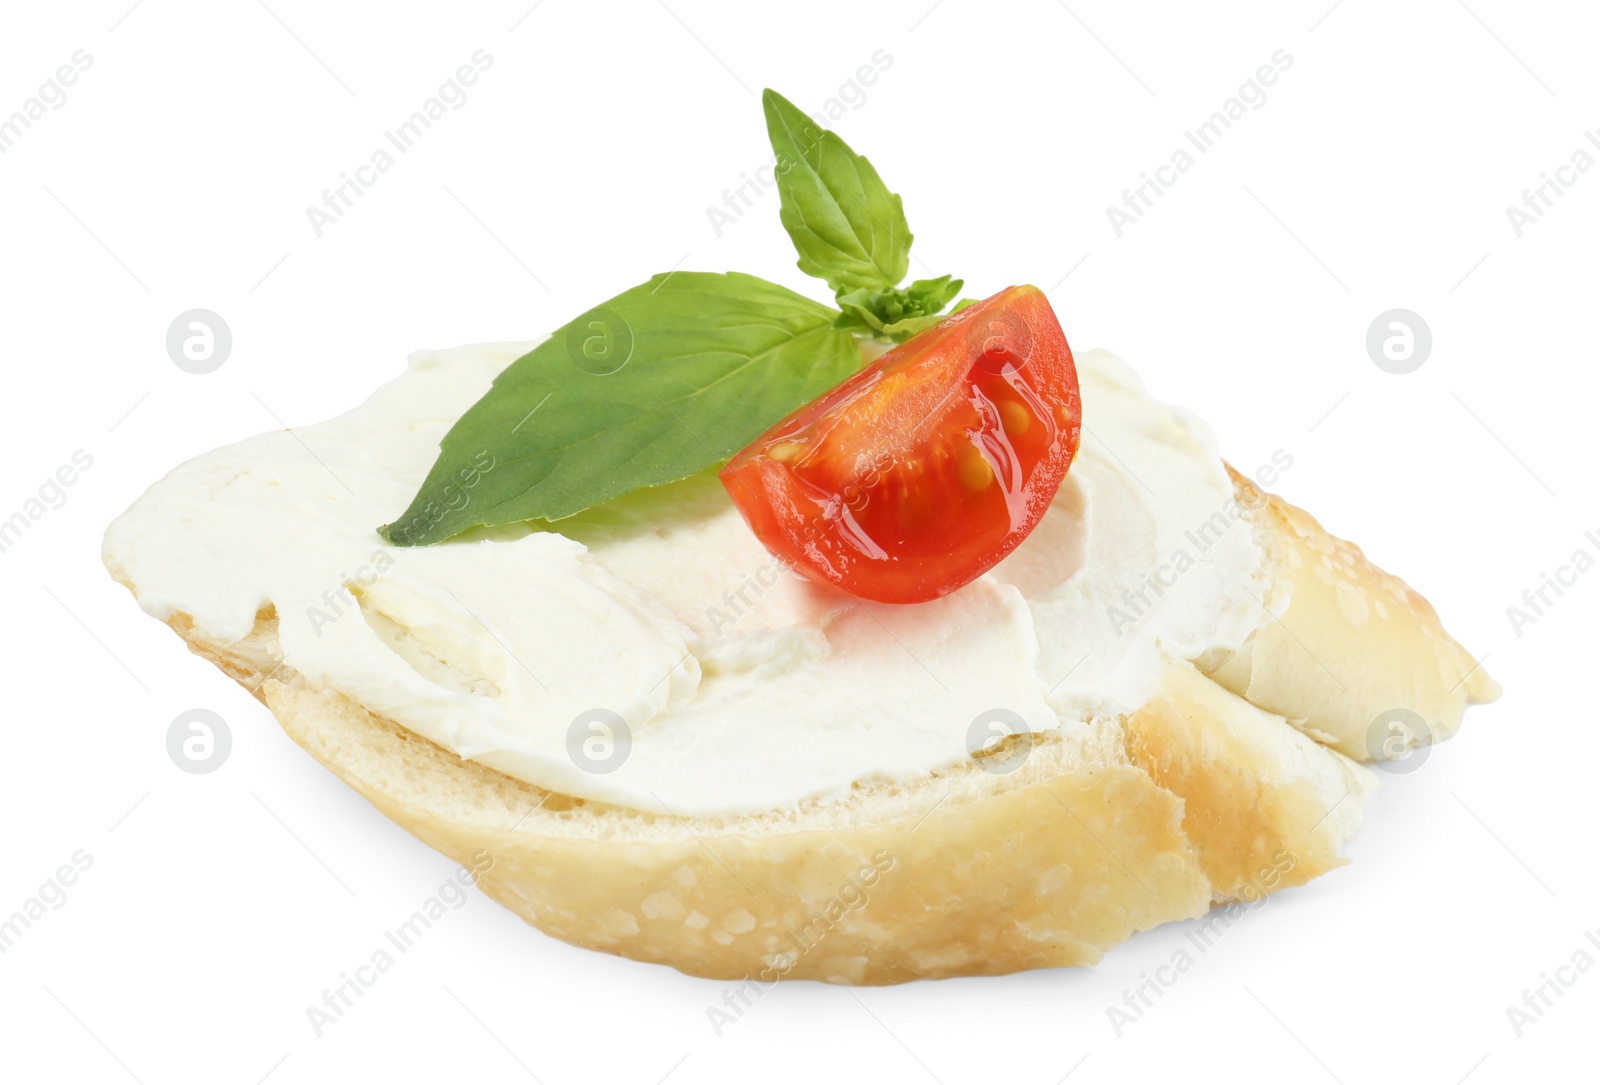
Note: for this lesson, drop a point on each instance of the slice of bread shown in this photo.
(1239, 779)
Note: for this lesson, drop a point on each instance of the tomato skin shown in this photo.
(921, 472)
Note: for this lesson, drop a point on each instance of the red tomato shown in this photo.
(921, 472)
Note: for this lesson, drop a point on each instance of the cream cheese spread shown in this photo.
(650, 652)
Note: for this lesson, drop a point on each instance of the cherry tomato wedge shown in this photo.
(918, 474)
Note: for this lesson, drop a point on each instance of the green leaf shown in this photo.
(849, 229)
(932, 295)
(660, 382)
(897, 313)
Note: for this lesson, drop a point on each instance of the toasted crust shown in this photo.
(1347, 641)
(1205, 795)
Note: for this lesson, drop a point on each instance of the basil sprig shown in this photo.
(848, 228)
(679, 373)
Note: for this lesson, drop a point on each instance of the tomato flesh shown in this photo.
(918, 474)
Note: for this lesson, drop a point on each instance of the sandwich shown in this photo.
(770, 639)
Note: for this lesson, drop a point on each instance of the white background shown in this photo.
(1377, 175)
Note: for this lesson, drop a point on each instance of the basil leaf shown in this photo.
(849, 229)
(660, 382)
(897, 313)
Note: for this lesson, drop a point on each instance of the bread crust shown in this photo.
(1347, 642)
(1225, 787)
